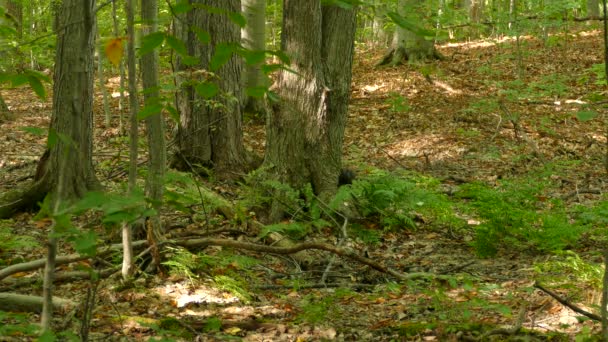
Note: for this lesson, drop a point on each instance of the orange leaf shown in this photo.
(114, 50)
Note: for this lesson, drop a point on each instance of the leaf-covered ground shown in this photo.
(492, 112)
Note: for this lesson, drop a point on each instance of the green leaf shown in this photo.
(203, 36)
(91, 200)
(177, 45)
(37, 86)
(270, 68)
(257, 92)
(281, 55)
(222, 54)
(149, 110)
(34, 130)
(206, 89)
(238, 19)
(51, 141)
(86, 243)
(586, 115)
(190, 60)
(18, 80)
(181, 7)
(37, 74)
(173, 113)
(253, 57)
(273, 97)
(410, 26)
(345, 4)
(151, 42)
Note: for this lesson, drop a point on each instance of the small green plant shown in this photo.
(183, 263)
(315, 310)
(398, 201)
(568, 267)
(398, 103)
(11, 242)
(517, 214)
(17, 325)
(235, 286)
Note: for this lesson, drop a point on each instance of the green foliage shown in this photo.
(516, 214)
(315, 310)
(12, 242)
(233, 285)
(367, 236)
(397, 202)
(398, 103)
(182, 263)
(569, 269)
(18, 325)
(213, 324)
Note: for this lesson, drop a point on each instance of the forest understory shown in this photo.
(476, 129)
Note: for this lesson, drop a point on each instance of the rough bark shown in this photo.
(407, 45)
(254, 38)
(305, 129)
(70, 154)
(154, 128)
(210, 130)
(593, 8)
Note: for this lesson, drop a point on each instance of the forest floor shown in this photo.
(482, 115)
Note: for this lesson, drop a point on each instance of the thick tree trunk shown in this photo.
(70, 154)
(254, 38)
(72, 118)
(210, 130)
(305, 129)
(407, 45)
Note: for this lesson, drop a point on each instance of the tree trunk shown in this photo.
(154, 128)
(14, 10)
(306, 128)
(73, 100)
(253, 37)
(210, 130)
(407, 45)
(5, 112)
(69, 173)
(593, 8)
(381, 36)
(70, 153)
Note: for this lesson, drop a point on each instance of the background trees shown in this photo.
(193, 60)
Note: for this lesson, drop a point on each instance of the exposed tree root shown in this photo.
(398, 56)
(22, 199)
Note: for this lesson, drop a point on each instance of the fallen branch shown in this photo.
(22, 303)
(300, 247)
(567, 303)
(61, 260)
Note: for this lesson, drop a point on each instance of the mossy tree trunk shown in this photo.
(305, 129)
